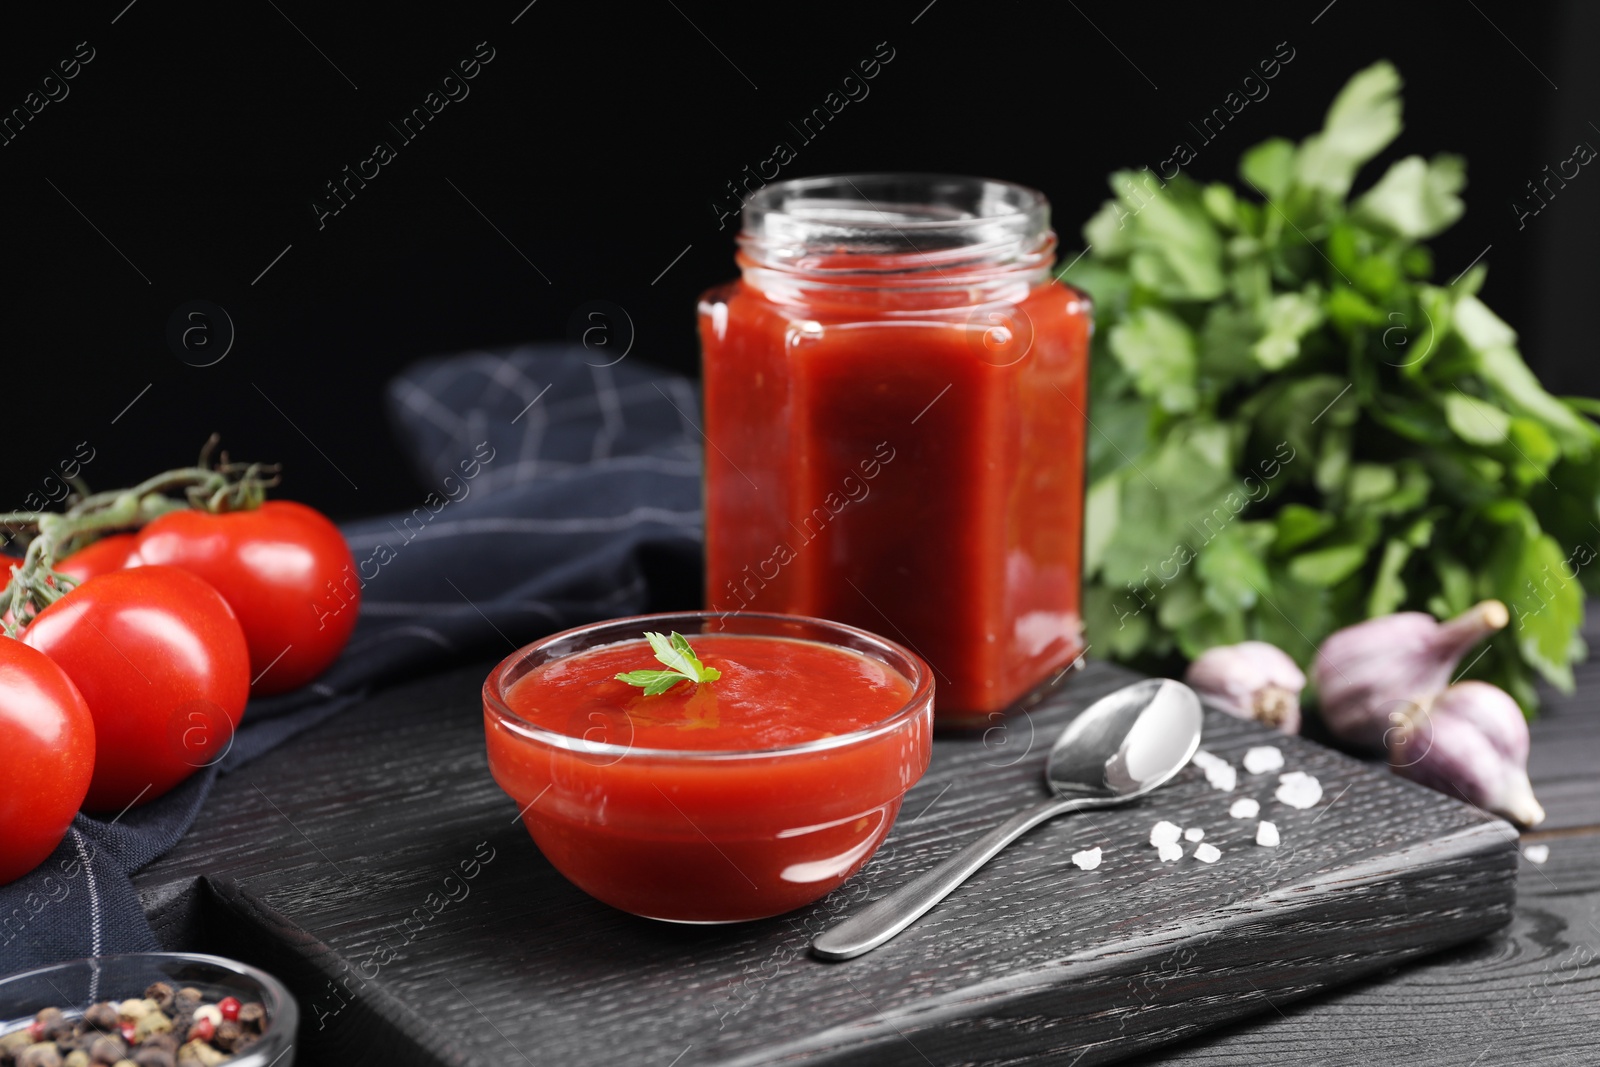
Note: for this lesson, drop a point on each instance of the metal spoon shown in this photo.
(1121, 747)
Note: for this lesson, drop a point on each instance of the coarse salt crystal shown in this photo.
(1170, 853)
(1088, 859)
(1267, 834)
(1218, 771)
(1165, 833)
(1194, 833)
(1536, 853)
(1263, 758)
(1207, 853)
(1245, 808)
(1298, 790)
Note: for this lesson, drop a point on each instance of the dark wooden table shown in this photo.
(1529, 993)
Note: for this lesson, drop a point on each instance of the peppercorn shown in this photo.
(52, 1024)
(181, 1020)
(227, 1035)
(199, 1054)
(253, 1016)
(161, 993)
(12, 1044)
(103, 1017)
(154, 1057)
(202, 1029)
(167, 1040)
(40, 1054)
(73, 1039)
(107, 1049)
(154, 1023)
(76, 1058)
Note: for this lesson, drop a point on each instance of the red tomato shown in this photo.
(47, 736)
(159, 658)
(107, 554)
(286, 572)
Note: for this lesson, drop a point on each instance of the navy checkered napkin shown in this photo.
(560, 492)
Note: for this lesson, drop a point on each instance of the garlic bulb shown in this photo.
(1250, 680)
(1374, 676)
(1472, 743)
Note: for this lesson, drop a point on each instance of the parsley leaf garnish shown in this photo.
(676, 654)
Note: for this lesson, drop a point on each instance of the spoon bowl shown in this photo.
(1119, 748)
(1126, 743)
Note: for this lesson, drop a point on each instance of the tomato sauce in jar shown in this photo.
(894, 408)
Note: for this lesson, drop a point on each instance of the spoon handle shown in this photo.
(883, 919)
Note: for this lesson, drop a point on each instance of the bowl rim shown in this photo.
(919, 702)
(285, 1020)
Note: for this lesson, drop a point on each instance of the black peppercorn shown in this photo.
(253, 1016)
(53, 1024)
(185, 1001)
(227, 1035)
(74, 1037)
(102, 1016)
(161, 993)
(146, 1056)
(167, 1040)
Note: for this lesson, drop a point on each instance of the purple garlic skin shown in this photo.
(1250, 680)
(1472, 744)
(1375, 675)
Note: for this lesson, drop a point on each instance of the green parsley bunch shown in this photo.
(1294, 428)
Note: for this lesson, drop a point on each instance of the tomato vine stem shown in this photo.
(35, 584)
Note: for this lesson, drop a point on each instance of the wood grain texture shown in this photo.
(339, 861)
(1529, 994)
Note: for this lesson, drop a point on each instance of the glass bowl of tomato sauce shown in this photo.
(717, 801)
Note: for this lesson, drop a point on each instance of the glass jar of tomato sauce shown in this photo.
(894, 417)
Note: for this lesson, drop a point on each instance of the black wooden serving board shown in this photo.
(340, 862)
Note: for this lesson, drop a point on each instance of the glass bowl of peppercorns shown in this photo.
(146, 1009)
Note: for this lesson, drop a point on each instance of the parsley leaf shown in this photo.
(675, 653)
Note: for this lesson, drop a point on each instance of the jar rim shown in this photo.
(887, 223)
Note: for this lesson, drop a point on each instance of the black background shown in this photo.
(585, 162)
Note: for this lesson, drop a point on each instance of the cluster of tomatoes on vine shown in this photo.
(137, 624)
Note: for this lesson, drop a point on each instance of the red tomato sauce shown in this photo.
(674, 806)
(772, 693)
(905, 467)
